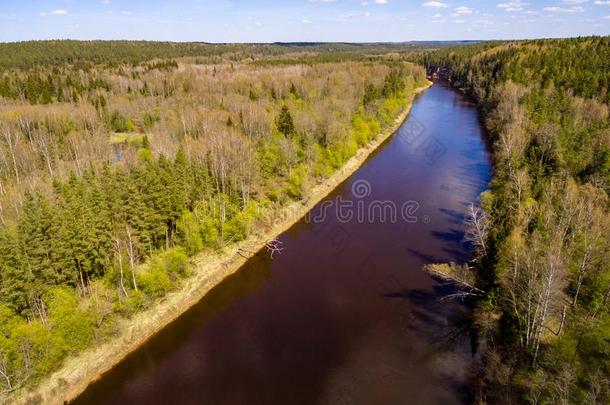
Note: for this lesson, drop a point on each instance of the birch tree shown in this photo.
(477, 228)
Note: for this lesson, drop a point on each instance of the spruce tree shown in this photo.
(293, 90)
(13, 277)
(35, 238)
(284, 122)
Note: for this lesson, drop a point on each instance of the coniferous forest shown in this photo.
(543, 258)
(120, 161)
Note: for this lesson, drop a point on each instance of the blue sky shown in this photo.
(300, 20)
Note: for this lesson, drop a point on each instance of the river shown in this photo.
(344, 313)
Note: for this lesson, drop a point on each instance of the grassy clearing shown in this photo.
(134, 139)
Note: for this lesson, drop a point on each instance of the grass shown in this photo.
(135, 139)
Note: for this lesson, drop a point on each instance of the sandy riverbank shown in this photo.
(208, 271)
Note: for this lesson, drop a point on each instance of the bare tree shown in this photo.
(42, 141)
(118, 254)
(274, 246)
(477, 227)
(132, 252)
(550, 274)
(4, 372)
(534, 285)
(12, 138)
(590, 228)
(519, 182)
(2, 214)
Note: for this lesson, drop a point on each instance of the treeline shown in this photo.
(544, 263)
(579, 66)
(45, 72)
(104, 197)
(30, 54)
(71, 83)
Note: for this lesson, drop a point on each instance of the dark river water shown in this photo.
(345, 314)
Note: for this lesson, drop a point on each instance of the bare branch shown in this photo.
(274, 246)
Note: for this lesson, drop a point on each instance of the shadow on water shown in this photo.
(425, 258)
(455, 217)
(449, 326)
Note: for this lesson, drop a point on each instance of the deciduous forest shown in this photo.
(542, 238)
(119, 161)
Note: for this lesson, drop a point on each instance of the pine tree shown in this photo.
(284, 122)
(35, 238)
(293, 90)
(13, 278)
(184, 181)
(370, 94)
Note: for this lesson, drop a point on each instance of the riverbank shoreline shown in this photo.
(209, 270)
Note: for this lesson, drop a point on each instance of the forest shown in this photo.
(29, 54)
(542, 258)
(121, 161)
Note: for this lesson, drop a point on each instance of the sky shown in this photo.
(301, 20)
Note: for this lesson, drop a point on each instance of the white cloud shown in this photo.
(567, 10)
(464, 10)
(350, 16)
(54, 12)
(607, 17)
(435, 4)
(483, 22)
(602, 2)
(513, 5)
(255, 21)
(105, 1)
(367, 2)
(305, 21)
